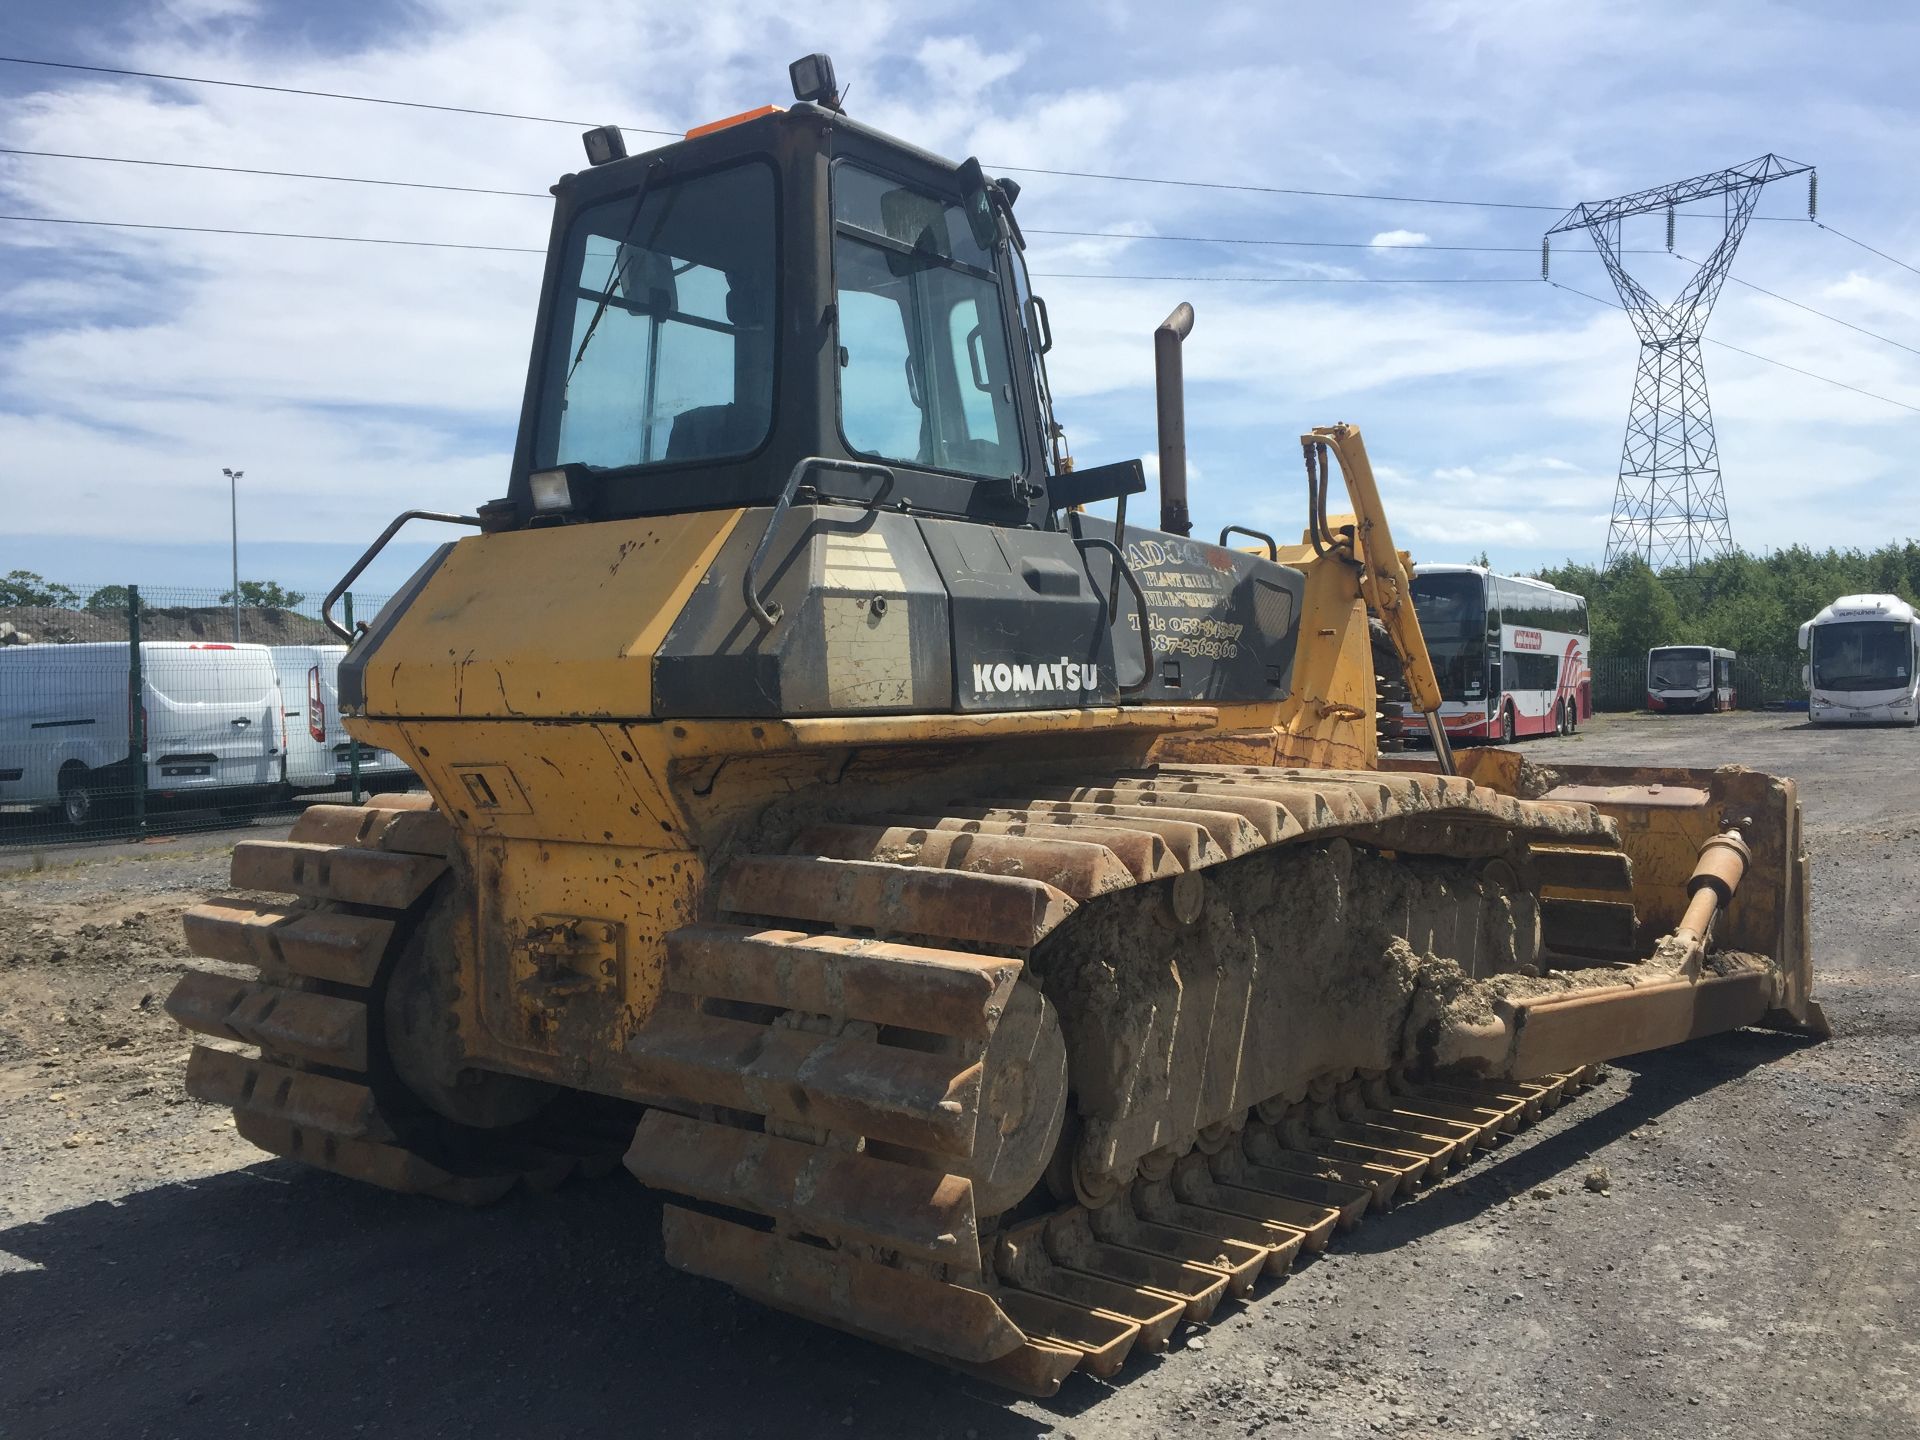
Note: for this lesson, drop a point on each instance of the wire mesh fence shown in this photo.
(1760, 682)
(133, 710)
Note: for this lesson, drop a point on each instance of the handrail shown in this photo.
(1273, 548)
(769, 614)
(1125, 571)
(333, 595)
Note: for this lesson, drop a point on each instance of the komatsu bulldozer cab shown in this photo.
(786, 285)
(807, 352)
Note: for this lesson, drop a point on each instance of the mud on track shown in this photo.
(1752, 1264)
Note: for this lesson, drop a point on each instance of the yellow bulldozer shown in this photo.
(992, 923)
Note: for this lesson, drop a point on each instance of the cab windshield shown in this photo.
(662, 352)
(926, 375)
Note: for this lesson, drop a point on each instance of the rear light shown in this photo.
(1654, 702)
(316, 707)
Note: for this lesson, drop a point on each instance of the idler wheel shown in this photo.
(1023, 1103)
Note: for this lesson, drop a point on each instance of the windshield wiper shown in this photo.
(617, 272)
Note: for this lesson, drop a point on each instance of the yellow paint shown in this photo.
(547, 623)
(572, 952)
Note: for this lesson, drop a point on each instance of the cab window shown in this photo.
(926, 375)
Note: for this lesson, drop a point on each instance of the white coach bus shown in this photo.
(1863, 652)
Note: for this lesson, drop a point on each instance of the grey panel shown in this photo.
(862, 627)
(1223, 624)
(1029, 629)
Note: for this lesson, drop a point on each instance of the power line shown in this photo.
(254, 170)
(1864, 246)
(1274, 189)
(1798, 305)
(278, 174)
(536, 250)
(643, 130)
(1304, 244)
(318, 94)
(1754, 355)
(277, 234)
(1297, 279)
(675, 134)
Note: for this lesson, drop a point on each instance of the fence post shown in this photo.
(353, 745)
(136, 714)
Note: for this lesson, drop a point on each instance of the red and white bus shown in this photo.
(1511, 653)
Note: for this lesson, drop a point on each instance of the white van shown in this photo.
(209, 716)
(317, 744)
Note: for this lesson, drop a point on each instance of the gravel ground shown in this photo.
(1751, 1265)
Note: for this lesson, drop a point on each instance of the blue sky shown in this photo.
(351, 382)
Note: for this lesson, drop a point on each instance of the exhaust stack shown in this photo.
(1169, 386)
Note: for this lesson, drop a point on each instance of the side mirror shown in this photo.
(1806, 634)
(1100, 482)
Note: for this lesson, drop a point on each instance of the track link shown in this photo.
(829, 1034)
(316, 1086)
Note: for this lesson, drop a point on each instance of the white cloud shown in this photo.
(355, 381)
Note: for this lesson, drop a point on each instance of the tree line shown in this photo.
(19, 588)
(1754, 604)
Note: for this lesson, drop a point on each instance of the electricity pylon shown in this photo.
(1669, 507)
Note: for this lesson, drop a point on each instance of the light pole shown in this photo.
(233, 499)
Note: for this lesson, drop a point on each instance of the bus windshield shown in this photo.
(1453, 617)
(1862, 655)
(1679, 669)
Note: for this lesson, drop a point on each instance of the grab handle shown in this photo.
(333, 595)
(765, 612)
(1125, 572)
